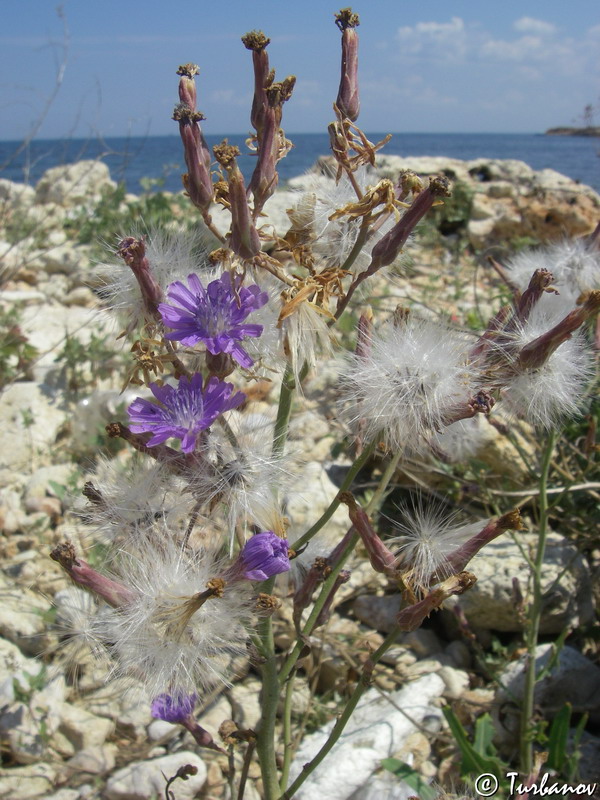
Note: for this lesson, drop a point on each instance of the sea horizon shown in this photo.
(160, 157)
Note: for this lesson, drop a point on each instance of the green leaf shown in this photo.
(409, 776)
(484, 733)
(472, 761)
(558, 738)
(59, 489)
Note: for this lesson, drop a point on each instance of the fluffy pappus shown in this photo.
(244, 476)
(548, 394)
(574, 263)
(137, 502)
(427, 537)
(165, 636)
(414, 376)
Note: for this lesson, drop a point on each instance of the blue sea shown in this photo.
(160, 157)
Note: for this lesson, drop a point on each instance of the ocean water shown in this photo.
(133, 159)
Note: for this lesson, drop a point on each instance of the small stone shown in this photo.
(423, 642)
(160, 730)
(83, 729)
(378, 613)
(96, 760)
(143, 780)
(456, 681)
(244, 703)
(459, 653)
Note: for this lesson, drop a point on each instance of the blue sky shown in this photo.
(435, 66)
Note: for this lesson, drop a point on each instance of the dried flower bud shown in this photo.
(197, 181)
(272, 144)
(387, 249)
(187, 84)
(381, 558)
(348, 100)
(411, 618)
(257, 42)
(114, 593)
(536, 353)
(244, 239)
(459, 559)
(133, 253)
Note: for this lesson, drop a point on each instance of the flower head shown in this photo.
(263, 556)
(426, 542)
(410, 383)
(184, 411)
(173, 708)
(181, 627)
(214, 315)
(547, 393)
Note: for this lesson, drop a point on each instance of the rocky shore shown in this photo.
(67, 732)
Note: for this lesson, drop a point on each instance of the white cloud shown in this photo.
(537, 26)
(443, 40)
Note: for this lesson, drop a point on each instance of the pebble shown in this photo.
(145, 780)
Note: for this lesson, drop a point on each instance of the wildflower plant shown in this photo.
(192, 576)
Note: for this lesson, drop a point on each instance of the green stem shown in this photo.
(332, 508)
(326, 587)
(330, 580)
(535, 613)
(269, 698)
(287, 732)
(338, 728)
(265, 741)
(284, 410)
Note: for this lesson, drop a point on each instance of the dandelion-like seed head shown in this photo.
(548, 394)
(139, 500)
(428, 537)
(414, 376)
(183, 626)
(244, 474)
(574, 263)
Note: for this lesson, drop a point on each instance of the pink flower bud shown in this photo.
(348, 100)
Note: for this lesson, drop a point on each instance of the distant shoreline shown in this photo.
(590, 130)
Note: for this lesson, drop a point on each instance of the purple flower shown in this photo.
(214, 316)
(263, 556)
(173, 708)
(184, 411)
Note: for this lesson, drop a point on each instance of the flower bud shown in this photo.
(262, 557)
(387, 249)
(244, 239)
(112, 592)
(537, 352)
(348, 101)
(133, 253)
(263, 78)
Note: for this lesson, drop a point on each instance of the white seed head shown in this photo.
(427, 537)
(574, 263)
(548, 394)
(164, 637)
(415, 375)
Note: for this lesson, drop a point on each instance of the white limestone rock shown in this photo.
(375, 731)
(144, 780)
(489, 604)
(74, 184)
(83, 729)
(28, 782)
